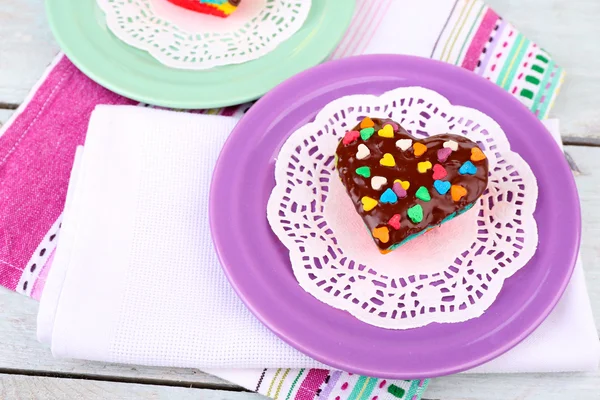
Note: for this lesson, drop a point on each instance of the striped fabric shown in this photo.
(471, 35)
(360, 32)
(477, 39)
(309, 384)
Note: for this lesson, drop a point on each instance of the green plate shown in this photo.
(79, 27)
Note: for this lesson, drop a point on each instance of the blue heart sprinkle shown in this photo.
(467, 169)
(442, 187)
(388, 197)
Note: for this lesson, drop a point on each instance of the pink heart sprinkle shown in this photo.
(439, 172)
(399, 190)
(394, 222)
(443, 154)
(350, 137)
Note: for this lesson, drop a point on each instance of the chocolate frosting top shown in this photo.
(405, 169)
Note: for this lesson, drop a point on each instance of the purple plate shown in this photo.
(258, 266)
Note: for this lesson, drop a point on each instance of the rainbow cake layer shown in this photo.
(220, 8)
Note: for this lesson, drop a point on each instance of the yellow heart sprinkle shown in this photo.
(405, 184)
(424, 166)
(388, 160)
(367, 123)
(419, 149)
(368, 203)
(386, 132)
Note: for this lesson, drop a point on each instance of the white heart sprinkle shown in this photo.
(403, 144)
(377, 182)
(451, 144)
(363, 152)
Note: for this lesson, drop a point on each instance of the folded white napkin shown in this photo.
(136, 280)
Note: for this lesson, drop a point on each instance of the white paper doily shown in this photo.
(185, 39)
(452, 273)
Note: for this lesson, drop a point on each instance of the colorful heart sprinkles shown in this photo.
(365, 134)
(415, 213)
(365, 172)
(388, 197)
(394, 222)
(366, 123)
(442, 187)
(467, 168)
(382, 233)
(386, 132)
(368, 203)
(439, 172)
(377, 182)
(350, 137)
(423, 167)
(400, 189)
(402, 186)
(419, 149)
(387, 160)
(423, 194)
(362, 152)
(442, 154)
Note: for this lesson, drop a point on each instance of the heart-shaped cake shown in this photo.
(401, 186)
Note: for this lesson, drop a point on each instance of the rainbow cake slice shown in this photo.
(402, 186)
(220, 8)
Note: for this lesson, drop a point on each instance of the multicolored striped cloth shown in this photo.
(467, 33)
(309, 384)
(38, 143)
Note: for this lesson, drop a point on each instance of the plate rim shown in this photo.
(224, 258)
(71, 46)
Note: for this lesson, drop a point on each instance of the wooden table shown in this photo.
(567, 28)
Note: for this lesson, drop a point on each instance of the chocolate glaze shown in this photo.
(434, 211)
(235, 3)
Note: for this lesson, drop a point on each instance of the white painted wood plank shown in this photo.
(20, 387)
(567, 29)
(5, 115)
(588, 183)
(22, 352)
(571, 386)
(26, 47)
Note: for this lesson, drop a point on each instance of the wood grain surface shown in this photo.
(568, 29)
(20, 387)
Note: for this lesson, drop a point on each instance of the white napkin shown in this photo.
(567, 340)
(136, 279)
